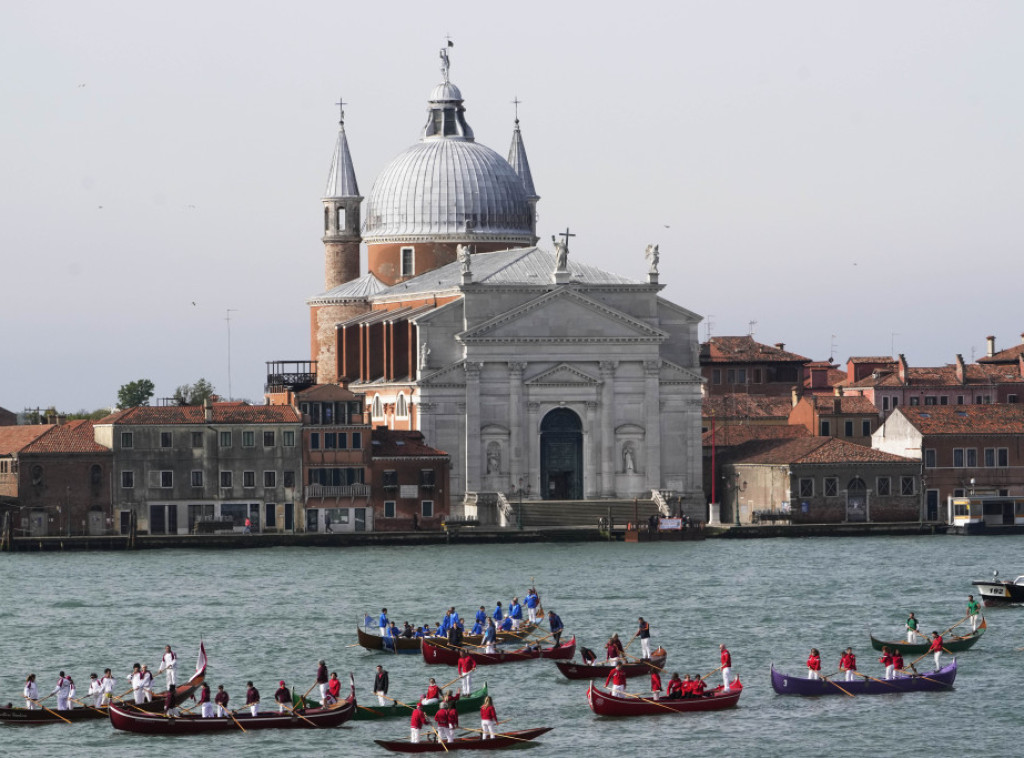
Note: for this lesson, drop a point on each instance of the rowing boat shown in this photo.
(412, 644)
(574, 670)
(474, 742)
(605, 704)
(463, 704)
(952, 644)
(35, 716)
(932, 681)
(129, 719)
(450, 655)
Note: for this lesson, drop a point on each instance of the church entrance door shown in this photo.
(561, 455)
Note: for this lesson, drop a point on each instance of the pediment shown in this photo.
(562, 374)
(563, 315)
(675, 374)
(453, 375)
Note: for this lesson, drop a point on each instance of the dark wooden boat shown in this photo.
(412, 644)
(932, 681)
(996, 591)
(464, 704)
(450, 655)
(129, 719)
(603, 703)
(574, 670)
(952, 644)
(92, 713)
(475, 742)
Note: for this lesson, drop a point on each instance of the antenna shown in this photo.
(709, 324)
(832, 349)
(227, 318)
(751, 324)
(892, 343)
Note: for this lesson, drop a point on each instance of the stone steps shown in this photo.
(550, 513)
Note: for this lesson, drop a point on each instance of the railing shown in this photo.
(659, 500)
(346, 490)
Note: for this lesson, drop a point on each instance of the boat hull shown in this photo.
(464, 704)
(573, 670)
(91, 713)
(605, 704)
(1000, 592)
(952, 644)
(934, 681)
(412, 644)
(500, 741)
(128, 720)
(436, 654)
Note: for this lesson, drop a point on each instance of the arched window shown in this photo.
(340, 213)
(401, 408)
(378, 407)
(327, 219)
(95, 474)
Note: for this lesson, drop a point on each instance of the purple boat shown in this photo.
(933, 681)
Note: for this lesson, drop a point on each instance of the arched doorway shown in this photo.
(561, 455)
(856, 500)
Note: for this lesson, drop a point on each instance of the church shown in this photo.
(543, 377)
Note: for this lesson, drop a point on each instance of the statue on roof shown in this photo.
(445, 63)
(651, 254)
(561, 254)
(463, 255)
(424, 356)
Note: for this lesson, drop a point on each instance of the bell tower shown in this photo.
(342, 204)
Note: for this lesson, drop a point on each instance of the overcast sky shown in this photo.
(847, 175)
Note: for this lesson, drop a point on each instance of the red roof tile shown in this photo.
(818, 450)
(1002, 418)
(391, 443)
(848, 404)
(327, 392)
(223, 413)
(744, 350)
(872, 359)
(73, 437)
(737, 434)
(739, 405)
(13, 439)
(945, 376)
(1009, 355)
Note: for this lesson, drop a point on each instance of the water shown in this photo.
(271, 614)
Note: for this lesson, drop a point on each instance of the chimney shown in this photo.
(796, 396)
(991, 345)
(961, 371)
(837, 391)
(1022, 338)
(902, 366)
(208, 410)
(51, 418)
(61, 419)
(782, 345)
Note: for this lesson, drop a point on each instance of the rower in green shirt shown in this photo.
(973, 608)
(912, 632)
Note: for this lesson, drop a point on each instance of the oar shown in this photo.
(647, 661)
(231, 715)
(712, 672)
(958, 623)
(453, 681)
(86, 705)
(54, 713)
(434, 729)
(499, 734)
(841, 689)
(294, 713)
(303, 698)
(919, 658)
(873, 679)
(921, 676)
(629, 643)
(648, 700)
(394, 700)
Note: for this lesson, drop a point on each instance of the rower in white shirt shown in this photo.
(106, 687)
(146, 677)
(65, 690)
(169, 664)
(95, 690)
(31, 693)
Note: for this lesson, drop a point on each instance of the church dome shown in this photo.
(448, 187)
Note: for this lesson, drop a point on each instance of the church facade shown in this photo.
(540, 375)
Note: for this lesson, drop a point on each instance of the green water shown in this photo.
(271, 614)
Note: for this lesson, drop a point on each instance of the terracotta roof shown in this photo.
(736, 434)
(848, 404)
(1009, 355)
(819, 450)
(945, 376)
(327, 392)
(1002, 418)
(392, 443)
(835, 377)
(223, 413)
(13, 439)
(72, 437)
(738, 405)
(744, 350)
(871, 359)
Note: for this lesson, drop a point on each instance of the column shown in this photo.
(592, 452)
(473, 426)
(516, 454)
(607, 428)
(531, 452)
(652, 410)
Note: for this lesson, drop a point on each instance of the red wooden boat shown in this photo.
(42, 715)
(131, 720)
(474, 742)
(449, 655)
(574, 670)
(605, 704)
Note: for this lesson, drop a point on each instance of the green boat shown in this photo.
(952, 644)
(465, 704)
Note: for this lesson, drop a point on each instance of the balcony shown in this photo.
(345, 490)
(294, 376)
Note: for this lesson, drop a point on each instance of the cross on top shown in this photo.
(341, 106)
(566, 234)
(515, 102)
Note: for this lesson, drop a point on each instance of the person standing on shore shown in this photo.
(380, 684)
(973, 608)
(726, 666)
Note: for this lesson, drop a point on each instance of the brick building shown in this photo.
(850, 417)
(820, 480)
(960, 447)
(741, 365)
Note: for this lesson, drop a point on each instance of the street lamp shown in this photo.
(518, 490)
(738, 487)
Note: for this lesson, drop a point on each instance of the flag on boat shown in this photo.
(200, 663)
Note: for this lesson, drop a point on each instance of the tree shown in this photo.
(194, 394)
(135, 393)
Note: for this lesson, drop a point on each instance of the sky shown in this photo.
(843, 177)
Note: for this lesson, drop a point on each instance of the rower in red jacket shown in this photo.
(886, 661)
(848, 663)
(726, 666)
(814, 664)
(698, 686)
(936, 648)
(675, 687)
(465, 668)
(617, 678)
(897, 661)
(441, 719)
(655, 685)
(333, 689)
(418, 721)
(488, 719)
(433, 693)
